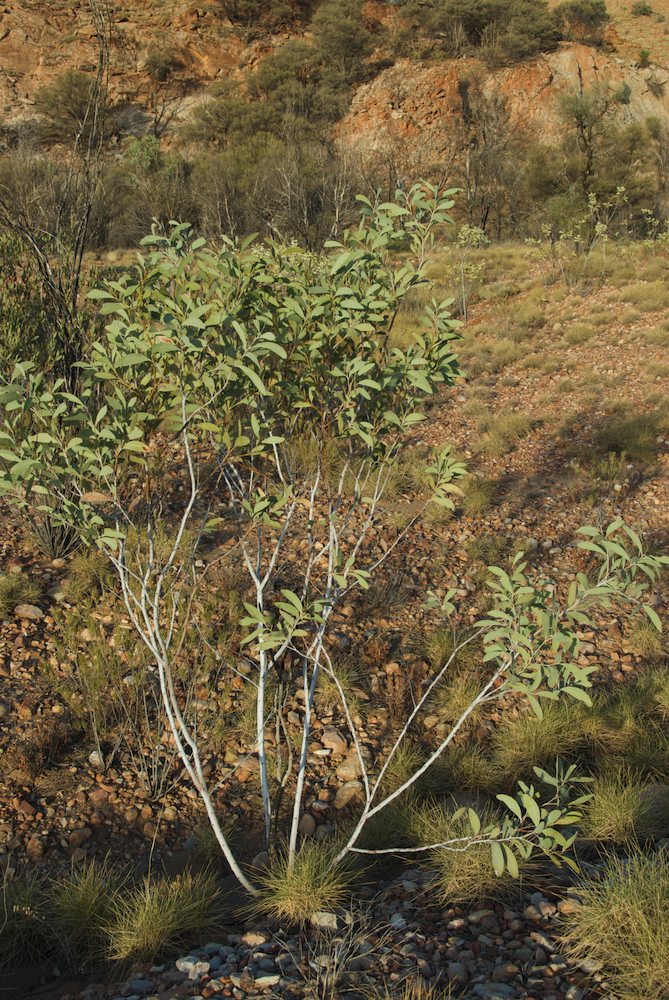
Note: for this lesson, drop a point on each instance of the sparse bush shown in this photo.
(630, 893)
(641, 9)
(161, 64)
(66, 108)
(582, 20)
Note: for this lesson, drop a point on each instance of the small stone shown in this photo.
(457, 972)
(58, 592)
(307, 825)
(349, 769)
(140, 986)
(267, 979)
(494, 991)
(253, 939)
(507, 970)
(397, 921)
(79, 837)
(29, 612)
(333, 740)
(325, 921)
(347, 793)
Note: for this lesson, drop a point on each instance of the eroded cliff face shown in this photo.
(416, 107)
(412, 105)
(39, 39)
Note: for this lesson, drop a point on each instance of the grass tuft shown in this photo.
(89, 574)
(314, 883)
(624, 810)
(519, 744)
(622, 926)
(17, 589)
(81, 908)
(463, 876)
(161, 917)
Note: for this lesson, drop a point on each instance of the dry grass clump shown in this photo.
(162, 917)
(579, 333)
(625, 810)
(465, 768)
(454, 696)
(500, 431)
(648, 296)
(636, 436)
(15, 589)
(521, 743)
(89, 574)
(24, 928)
(81, 908)
(478, 495)
(314, 883)
(413, 989)
(463, 876)
(622, 925)
(647, 642)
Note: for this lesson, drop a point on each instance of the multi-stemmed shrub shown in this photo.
(215, 362)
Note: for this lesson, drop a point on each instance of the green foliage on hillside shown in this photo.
(501, 31)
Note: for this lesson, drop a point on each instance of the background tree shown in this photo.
(56, 241)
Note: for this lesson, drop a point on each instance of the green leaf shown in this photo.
(653, 617)
(497, 859)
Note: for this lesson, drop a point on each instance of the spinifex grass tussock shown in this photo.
(625, 809)
(15, 588)
(464, 873)
(313, 883)
(622, 926)
(24, 928)
(81, 907)
(522, 742)
(88, 574)
(161, 916)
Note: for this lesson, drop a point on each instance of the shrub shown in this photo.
(340, 37)
(15, 589)
(161, 64)
(162, 917)
(582, 20)
(65, 108)
(505, 30)
(631, 893)
(641, 9)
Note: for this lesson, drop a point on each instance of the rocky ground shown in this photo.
(59, 806)
(492, 953)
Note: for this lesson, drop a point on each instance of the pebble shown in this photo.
(29, 612)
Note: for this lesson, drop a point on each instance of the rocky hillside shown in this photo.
(421, 104)
(39, 39)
